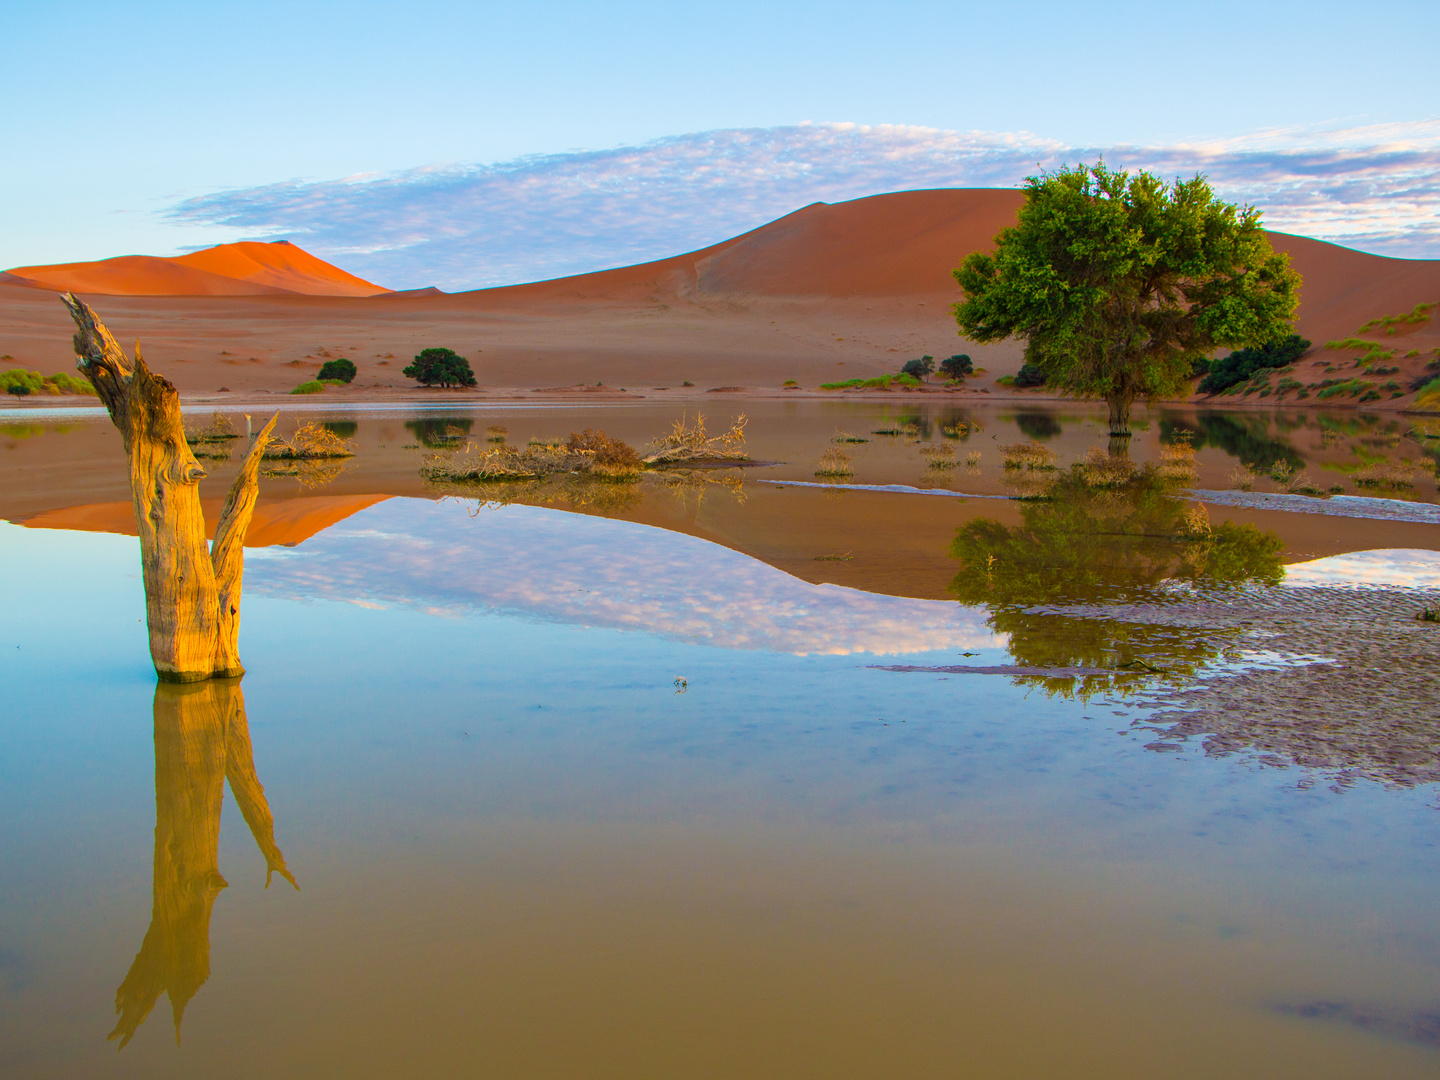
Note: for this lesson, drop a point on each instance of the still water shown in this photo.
(567, 795)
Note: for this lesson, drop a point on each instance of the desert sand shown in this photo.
(830, 292)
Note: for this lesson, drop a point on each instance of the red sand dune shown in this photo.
(245, 269)
(907, 243)
(275, 524)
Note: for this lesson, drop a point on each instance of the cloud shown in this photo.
(468, 226)
(591, 571)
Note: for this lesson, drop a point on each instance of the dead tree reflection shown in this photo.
(202, 739)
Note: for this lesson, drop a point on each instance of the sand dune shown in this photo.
(829, 292)
(245, 269)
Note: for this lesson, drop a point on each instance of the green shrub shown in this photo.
(18, 389)
(919, 368)
(341, 370)
(1374, 351)
(1244, 364)
(957, 367)
(1029, 375)
(1335, 387)
(34, 383)
(314, 386)
(440, 367)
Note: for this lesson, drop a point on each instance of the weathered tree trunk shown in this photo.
(1119, 414)
(192, 591)
(201, 740)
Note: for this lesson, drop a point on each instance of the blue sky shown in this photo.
(156, 127)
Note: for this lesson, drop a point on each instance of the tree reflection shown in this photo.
(202, 739)
(1085, 545)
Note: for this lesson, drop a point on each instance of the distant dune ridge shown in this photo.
(243, 269)
(831, 291)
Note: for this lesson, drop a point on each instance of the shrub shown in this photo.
(834, 462)
(18, 389)
(341, 370)
(919, 368)
(314, 386)
(1029, 375)
(609, 457)
(440, 367)
(34, 383)
(957, 367)
(1246, 363)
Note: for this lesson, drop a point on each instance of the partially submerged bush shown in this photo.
(834, 462)
(1029, 455)
(1177, 460)
(311, 442)
(219, 429)
(586, 453)
(941, 455)
(1101, 470)
(690, 443)
(496, 433)
(609, 457)
(1386, 474)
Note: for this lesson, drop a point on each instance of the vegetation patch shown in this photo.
(1030, 456)
(1373, 353)
(313, 386)
(311, 442)
(939, 455)
(834, 463)
(340, 370)
(881, 382)
(22, 383)
(1252, 364)
(1391, 323)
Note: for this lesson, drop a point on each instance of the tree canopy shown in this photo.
(1119, 282)
(440, 367)
(339, 370)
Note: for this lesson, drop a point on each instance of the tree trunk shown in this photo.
(201, 740)
(1119, 414)
(192, 591)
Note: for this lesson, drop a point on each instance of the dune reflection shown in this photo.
(601, 572)
(202, 739)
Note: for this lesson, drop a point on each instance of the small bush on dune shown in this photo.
(919, 368)
(1029, 375)
(1244, 364)
(313, 386)
(957, 367)
(341, 370)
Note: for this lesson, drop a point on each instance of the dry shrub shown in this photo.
(1281, 472)
(311, 442)
(834, 462)
(496, 433)
(1031, 456)
(1101, 469)
(1386, 474)
(1243, 477)
(608, 457)
(588, 453)
(1195, 522)
(972, 459)
(219, 429)
(1177, 461)
(958, 430)
(842, 436)
(689, 442)
(941, 455)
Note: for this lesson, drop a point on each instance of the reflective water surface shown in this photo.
(575, 795)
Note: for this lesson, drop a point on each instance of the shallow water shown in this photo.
(523, 848)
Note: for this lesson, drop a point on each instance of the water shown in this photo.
(524, 849)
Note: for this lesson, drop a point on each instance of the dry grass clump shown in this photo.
(496, 433)
(834, 462)
(1195, 522)
(587, 453)
(311, 442)
(219, 429)
(958, 430)
(1101, 469)
(1386, 474)
(1029, 455)
(941, 455)
(1177, 461)
(972, 459)
(842, 436)
(690, 443)
(1243, 477)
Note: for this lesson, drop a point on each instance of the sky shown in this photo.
(467, 144)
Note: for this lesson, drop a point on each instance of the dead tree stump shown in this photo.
(192, 589)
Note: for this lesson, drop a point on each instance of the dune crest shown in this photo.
(243, 269)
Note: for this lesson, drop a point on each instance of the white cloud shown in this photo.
(467, 226)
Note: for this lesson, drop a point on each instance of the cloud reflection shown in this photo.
(593, 571)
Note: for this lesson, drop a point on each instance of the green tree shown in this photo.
(341, 370)
(919, 368)
(1118, 283)
(957, 367)
(440, 367)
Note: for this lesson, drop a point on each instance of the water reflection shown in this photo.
(1084, 545)
(202, 739)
